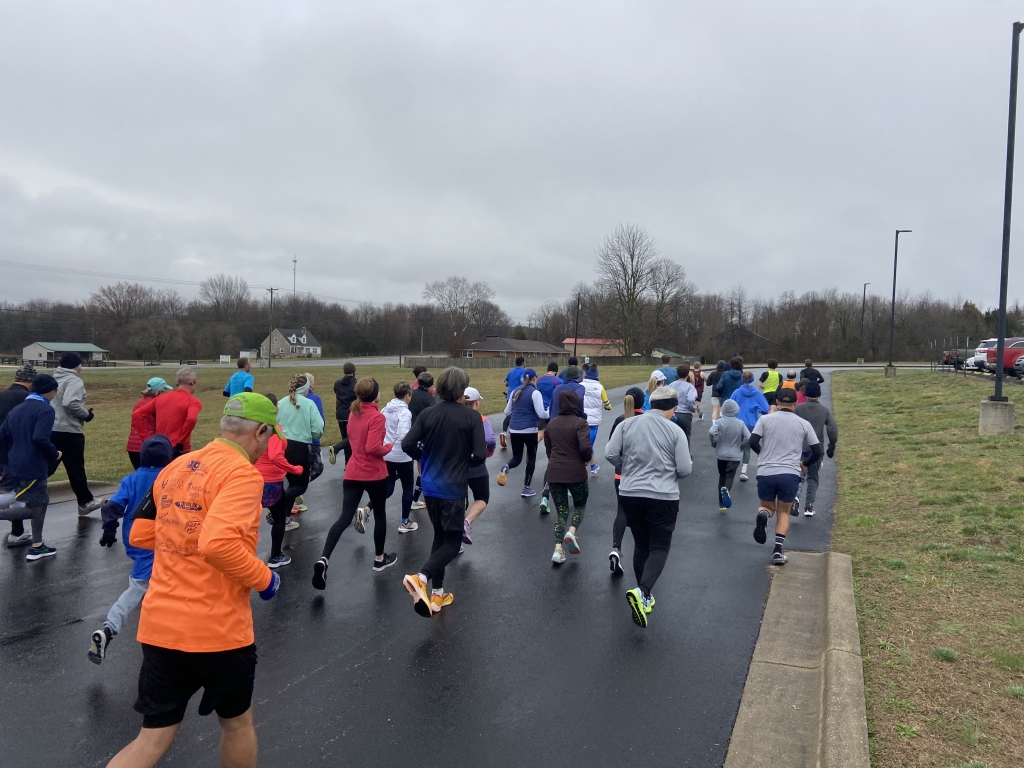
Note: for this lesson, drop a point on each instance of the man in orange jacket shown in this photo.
(202, 522)
(176, 415)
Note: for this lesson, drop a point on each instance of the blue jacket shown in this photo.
(25, 440)
(320, 407)
(752, 404)
(546, 385)
(569, 386)
(730, 381)
(514, 378)
(156, 454)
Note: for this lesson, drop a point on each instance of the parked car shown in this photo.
(977, 363)
(1013, 349)
(981, 353)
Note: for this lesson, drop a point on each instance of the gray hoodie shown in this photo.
(69, 402)
(652, 454)
(729, 435)
(821, 419)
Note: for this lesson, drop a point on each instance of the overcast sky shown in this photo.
(385, 144)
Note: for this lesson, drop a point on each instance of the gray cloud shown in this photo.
(776, 145)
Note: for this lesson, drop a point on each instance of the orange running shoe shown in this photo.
(440, 601)
(416, 587)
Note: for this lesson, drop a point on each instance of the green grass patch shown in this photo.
(944, 654)
(1015, 691)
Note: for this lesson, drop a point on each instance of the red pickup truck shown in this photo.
(1013, 349)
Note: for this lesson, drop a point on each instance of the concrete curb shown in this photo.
(60, 491)
(803, 702)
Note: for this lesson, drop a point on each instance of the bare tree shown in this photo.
(124, 301)
(456, 297)
(225, 295)
(154, 335)
(625, 270)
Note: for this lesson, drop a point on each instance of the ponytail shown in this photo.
(297, 382)
(628, 407)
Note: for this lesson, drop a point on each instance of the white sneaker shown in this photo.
(18, 541)
(91, 507)
(291, 525)
(418, 505)
(808, 512)
(743, 477)
(360, 521)
(408, 527)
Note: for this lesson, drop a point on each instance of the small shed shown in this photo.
(50, 351)
(252, 354)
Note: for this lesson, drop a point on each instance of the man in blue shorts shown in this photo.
(779, 440)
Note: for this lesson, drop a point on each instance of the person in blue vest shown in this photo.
(241, 380)
(513, 380)
(525, 408)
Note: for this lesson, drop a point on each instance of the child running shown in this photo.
(632, 406)
(155, 454)
(273, 466)
(478, 479)
(595, 401)
(698, 380)
(524, 409)
(730, 439)
(568, 447)
(713, 377)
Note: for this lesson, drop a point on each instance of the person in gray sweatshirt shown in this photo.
(820, 417)
(729, 436)
(651, 454)
(70, 414)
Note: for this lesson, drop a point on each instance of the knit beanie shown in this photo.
(70, 360)
(44, 383)
(25, 374)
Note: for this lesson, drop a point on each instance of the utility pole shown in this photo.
(295, 262)
(890, 371)
(576, 333)
(863, 306)
(421, 341)
(270, 336)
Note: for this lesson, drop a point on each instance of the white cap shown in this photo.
(659, 375)
(472, 394)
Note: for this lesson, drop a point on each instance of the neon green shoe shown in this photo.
(638, 605)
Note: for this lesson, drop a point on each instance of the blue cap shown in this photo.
(528, 374)
(156, 384)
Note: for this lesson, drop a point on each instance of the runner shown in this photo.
(698, 381)
(447, 440)
(366, 472)
(196, 625)
(779, 439)
(29, 457)
(770, 382)
(657, 380)
(571, 362)
(397, 423)
(731, 440)
(547, 383)
(11, 397)
(416, 375)
(68, 435)
(820, 418)
(631, 406)
(568, 448)
(570, 384)
(513, 380)
(812, 373)
(422, 398)
(790, 382)
(800, 396)
(752, 405)
(671, 372)
(156, 453)
(273, 467)
(241, 380)
(316, 463)
(595, 402)
(730, 380)
(477, 477)
(652, 455)
(344, 396)
(713, 378)
(154, 387)
(686, 393)
(524, 409)
(301, 423)
(174, 414)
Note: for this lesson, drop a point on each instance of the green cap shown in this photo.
(254, 407)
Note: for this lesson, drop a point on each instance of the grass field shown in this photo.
(933, 516)
(113, 391)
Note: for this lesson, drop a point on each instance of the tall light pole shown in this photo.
(890, 370)
(270, 337)
(576, 333)
(863, 306)
(295, 262)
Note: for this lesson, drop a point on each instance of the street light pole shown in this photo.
(863, 306)
(891, 370)
(576, 333)
(270, 338)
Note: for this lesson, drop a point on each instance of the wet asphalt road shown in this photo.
(531, 665)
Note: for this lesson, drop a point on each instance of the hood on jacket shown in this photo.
(65, 373)
(394, 405)
(730, 408)
(592, 374)
(568, 403)
(748, 390)
(156, 452)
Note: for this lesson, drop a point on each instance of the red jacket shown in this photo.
(272, 464)
(176, 415)
(135, 437)
(366, 431)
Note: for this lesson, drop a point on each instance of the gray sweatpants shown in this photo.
(812, 483)
(36, 514)
(126, 603)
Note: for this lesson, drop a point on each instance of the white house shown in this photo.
(42, 351)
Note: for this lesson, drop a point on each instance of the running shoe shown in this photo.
(502, 440)
(794, 509)
(462, 550)
(320, 574)
(743, 476)
(18, 541)
(638, 606)
(417, 587)
(503, 475)
(527, 492)
(760, 532)
(330, 455)
(278, 560)
(98, 647)
(558, 557)
(92, 506)
(418, 505)
(299, 508)
(269, 518)
(807, 513)
(726, 498)
(390, 558)
(360, 522)
(700, 417)
(570, 543)
(544, 505)
(291, 525)
(407, 526)
(467, 532)
(593, 468)
(779, 559)
(614, 563)
(437, 602)
(38, 553)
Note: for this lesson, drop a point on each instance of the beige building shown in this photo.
(291, 342)
(593, 347)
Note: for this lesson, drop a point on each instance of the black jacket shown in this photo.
(10, 397)
(567, 443)
(421, 400)
(812, 374)
(345, 392)
(447, 440)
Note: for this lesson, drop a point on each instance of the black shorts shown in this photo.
(168, 680)
(770, 397)
(446, 514)
(481, 488)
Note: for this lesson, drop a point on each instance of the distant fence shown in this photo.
(56, 363)
(538, 363)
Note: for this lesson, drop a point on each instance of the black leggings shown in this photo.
(299, 454)
(619, 526)
(446, 517)
(652, 522)
(727, 473)
(342, 445)
(279, 517)
(72, 445)
(399, 470)
(352, 494)
(529, 441)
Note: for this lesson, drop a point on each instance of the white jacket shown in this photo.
(595, 399)
(397, 423)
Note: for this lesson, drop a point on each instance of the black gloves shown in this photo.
(831, 452)
(90, 417)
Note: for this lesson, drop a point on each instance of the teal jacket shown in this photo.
(301, 422)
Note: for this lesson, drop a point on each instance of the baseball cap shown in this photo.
(786, 395)
(472, 394)
(254, 407)
(659, 375)
(156, 384)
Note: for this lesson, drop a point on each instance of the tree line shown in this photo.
(640, 300)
